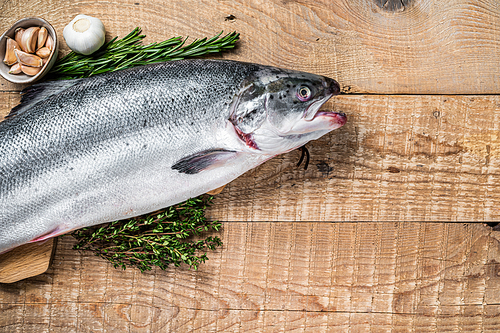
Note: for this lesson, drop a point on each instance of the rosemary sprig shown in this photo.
(129, 52)
(159, 239)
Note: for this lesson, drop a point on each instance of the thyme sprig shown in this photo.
(129, 52)
(168, 236)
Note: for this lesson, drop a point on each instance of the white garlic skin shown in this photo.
(88, 41)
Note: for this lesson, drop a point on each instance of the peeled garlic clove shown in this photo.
(42, 37)
(49, 43)
(30, 70)
(15, 69)
(28, 59)
(43, 52)
(84, 34)
(18, 34)
(10, 56)
(29, 38)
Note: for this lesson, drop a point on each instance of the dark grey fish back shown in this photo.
(120, 104)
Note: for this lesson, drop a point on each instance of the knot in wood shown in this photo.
(393, 5)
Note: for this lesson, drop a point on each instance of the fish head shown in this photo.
(279, 110)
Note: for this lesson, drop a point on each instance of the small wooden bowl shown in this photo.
(26, 23)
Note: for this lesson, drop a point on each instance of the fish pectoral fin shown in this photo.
(204, 160)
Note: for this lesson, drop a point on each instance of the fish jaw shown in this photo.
(322, 121)
(314, 107)
(330, 120)
(273, 142)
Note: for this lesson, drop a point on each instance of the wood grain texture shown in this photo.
(429, 154)
(26, 261)
(423, 47)
(279, 277)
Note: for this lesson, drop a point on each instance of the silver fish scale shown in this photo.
(103, 130)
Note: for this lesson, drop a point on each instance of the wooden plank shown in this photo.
(398, 158)
(26, 261)
(425, 47)
(309, 276)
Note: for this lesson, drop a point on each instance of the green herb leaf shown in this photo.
(129, 52)
(139, 242)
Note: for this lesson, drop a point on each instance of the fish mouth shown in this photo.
(321, 121)
(335, 119)
(312, 109)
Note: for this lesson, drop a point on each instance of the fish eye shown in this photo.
(304, 93)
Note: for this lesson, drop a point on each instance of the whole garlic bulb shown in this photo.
(84, 34)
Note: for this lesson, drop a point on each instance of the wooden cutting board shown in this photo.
(26, 261)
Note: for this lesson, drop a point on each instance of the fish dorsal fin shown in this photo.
(39, 92)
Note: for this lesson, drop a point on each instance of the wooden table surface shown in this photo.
(380, 234)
